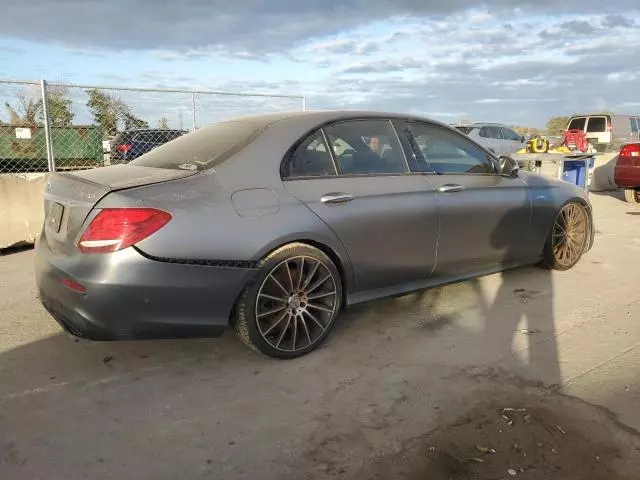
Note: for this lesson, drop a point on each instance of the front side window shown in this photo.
(366, 147)
(597, 124)
(449, 153)
(634, 125)
(311, 159)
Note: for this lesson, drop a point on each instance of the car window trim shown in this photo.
(329, 147)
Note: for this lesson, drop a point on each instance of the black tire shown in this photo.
(550, 259)
(246, 321)
(632, 195)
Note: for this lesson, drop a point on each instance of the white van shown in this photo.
(607, 132)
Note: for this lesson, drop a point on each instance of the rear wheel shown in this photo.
(632, 195)
(291, 307)
(568, 237)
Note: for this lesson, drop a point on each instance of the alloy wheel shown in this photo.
(570, 234)
(296, 303)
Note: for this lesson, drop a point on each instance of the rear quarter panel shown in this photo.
(548, 195)
(239, 211)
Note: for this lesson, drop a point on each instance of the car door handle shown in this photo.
(451, 188)
(336, 198)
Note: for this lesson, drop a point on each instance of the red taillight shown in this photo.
(123, 148)
(116, 228)
(630, 150)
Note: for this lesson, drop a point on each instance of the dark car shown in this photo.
(627, 172)
(130, 144)
(273, 224)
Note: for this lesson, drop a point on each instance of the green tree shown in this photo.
(26, 113)
(557, 125)
(105, 110)
(108, 111)
(59, 106)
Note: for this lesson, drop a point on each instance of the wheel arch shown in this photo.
(341, 261)
(586, 205)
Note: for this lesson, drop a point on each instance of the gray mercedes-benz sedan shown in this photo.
(274, 223)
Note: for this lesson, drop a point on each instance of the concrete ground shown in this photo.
(398, 391)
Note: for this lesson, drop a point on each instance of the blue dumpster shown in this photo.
(575, 171)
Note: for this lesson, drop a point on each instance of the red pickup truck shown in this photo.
(627, 173)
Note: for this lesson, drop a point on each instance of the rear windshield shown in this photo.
(205, 148)
(597, 124)
(464, 130)
(577, 123)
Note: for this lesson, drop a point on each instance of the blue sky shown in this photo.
(515, 61)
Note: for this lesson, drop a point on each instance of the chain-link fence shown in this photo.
(47, 127)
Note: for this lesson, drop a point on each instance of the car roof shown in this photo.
(488, 124)
(325, 116)
(138, 130)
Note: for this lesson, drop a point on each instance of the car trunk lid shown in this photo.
(70, 197)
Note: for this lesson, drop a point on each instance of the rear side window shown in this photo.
(311, 159)
(509, 134)
(366, 147)
(205, 148)
(597, 124)
(577, 123)
(634, 125)
(465, 130)
(495, 132)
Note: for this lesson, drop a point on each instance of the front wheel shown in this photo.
(293, 304)
(632, 195)
(568, 238)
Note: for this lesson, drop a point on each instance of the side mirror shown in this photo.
(522, 139)
(508, 166)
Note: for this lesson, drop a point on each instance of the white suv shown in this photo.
(495, 137)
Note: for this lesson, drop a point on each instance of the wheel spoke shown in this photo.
(558, 226)
(284, 331)
(295, 332)
(271, 297)
(271, 312)
(316, 296)
(306, 329)
(320, 307)
(286, 265)
(319, 283)
(300, 273)
(277, 282)
(276, 323)
(313, 271)
(316, 321)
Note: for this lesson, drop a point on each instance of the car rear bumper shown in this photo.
(128, 296)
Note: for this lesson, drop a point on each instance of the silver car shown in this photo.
(273, 224)
(495, 137)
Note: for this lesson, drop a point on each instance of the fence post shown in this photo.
(193, 109)
(51, 161)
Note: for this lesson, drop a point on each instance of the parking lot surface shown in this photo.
(456, 381)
